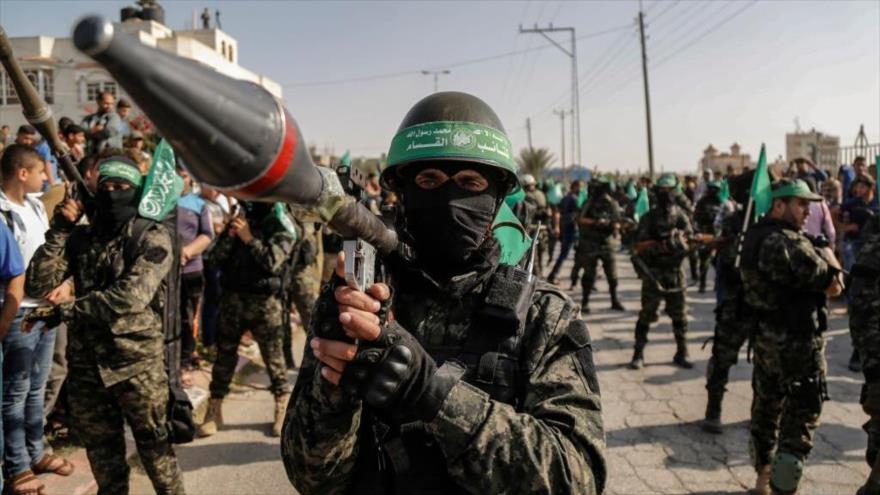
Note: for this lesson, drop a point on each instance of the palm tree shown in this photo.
(534, 161)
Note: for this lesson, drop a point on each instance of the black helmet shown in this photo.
(451, 126)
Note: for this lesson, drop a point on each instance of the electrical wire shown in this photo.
(390, 75)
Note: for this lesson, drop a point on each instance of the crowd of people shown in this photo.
(771, 291)
(244, 267)
(478, 355)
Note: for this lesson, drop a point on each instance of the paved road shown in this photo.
(651, 416)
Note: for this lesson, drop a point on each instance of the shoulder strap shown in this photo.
(138, 231)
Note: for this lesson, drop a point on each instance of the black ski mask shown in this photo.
(115, 208)
(665, 198)
(448, 224)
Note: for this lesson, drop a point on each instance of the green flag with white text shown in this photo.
(725, 190)
(162, 187)
(761, 195)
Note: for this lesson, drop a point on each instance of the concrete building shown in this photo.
(719, 163)
(819, 147)
(70, 81)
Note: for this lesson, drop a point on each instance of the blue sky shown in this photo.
(722, 71)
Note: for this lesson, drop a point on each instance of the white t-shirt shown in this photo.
(36, 224)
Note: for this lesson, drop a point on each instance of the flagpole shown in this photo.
(742, 233)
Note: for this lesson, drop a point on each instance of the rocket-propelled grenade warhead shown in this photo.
(233, 135)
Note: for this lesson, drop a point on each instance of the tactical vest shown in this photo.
(242, 273)
(800, 311)
(408, 460)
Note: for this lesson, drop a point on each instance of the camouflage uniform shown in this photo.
(784, 278)
(688, 207)
(597, 243)
(115, 348)
(305, 283)
(704, 219)
(664, 264)
(733, 320)
(527, 411)
(539, 202)
(252, 284)
(864, 325)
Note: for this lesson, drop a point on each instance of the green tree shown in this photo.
(534, 161)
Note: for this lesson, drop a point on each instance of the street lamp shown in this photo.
(436, 74)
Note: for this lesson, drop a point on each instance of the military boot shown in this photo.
(712, 422)
(638, 359)
(762, 483)
(702, 282)
(615, 302)
(213, 418)
(280, 409)
(681, 358)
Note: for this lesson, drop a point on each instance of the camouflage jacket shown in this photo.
(784, 276)
(257, 267)
(730, 282)
(864, 293)
(600, 208)
(534, 424)
(112, 323)
(705, 212)
(659, 224)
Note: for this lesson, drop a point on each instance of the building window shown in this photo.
(231, 56)
(223, 48)
(41, 79)
(93, 90)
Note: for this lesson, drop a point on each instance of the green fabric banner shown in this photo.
(725, 190)
(761, 193)
(642, 204)
(511, 236)
(434, 140)
(554, 194)
(583, 196)
(515, 197)
(163, 186)
(631, 192)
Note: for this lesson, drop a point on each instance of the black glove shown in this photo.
(396, 376)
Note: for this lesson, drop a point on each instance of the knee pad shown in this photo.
(786, 472)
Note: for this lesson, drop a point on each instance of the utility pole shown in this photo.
(436, 74)
(575, 87)
(561, 114)
(529, 132)
(647, 97)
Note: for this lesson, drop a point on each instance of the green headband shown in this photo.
(446, 139)
(117, 169)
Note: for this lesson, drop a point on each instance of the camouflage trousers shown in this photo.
(588, 256)
(733, 324)
(262, 315)
(788, 388)
(705, 255)
(864, 326)
(652, 296)
(303, 292)
(98, 414)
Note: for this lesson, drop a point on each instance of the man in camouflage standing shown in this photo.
(460, 392)
(115, 346)
(786, 279)
(305, 283)
(254, 256)
(661, 246)
(733, 320)
(864, 326)
(705, 212)
(543, 214)
(598, 222)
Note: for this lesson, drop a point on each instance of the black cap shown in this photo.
(27, 129)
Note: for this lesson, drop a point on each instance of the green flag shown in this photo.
(760, 193)
(515, 197)
(642, 204)
(345, 159)
(554, 194)
(631, 192)
(510, 235)
(582, 197)
(162, 187)
(725, 191)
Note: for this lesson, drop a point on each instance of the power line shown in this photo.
(390, 75)
(683, 20)
(705, 33)
(667, 9)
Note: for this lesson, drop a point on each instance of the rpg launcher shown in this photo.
(233, 135)
(39, 115)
